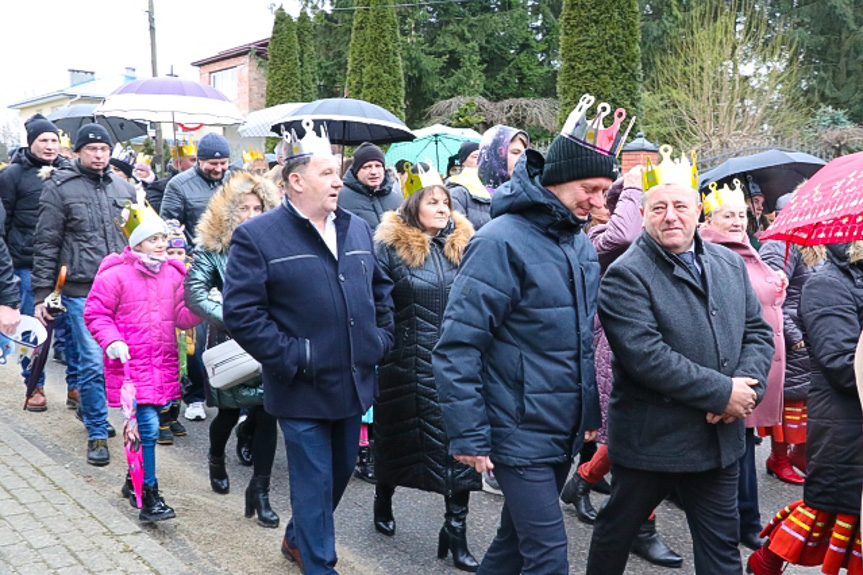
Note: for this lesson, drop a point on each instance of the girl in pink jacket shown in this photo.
(133, 310)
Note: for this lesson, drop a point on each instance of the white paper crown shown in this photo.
(309, 145)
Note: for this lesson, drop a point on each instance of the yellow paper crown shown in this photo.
(135, 213)
(422, 179)
(677, 171)
(724, 196)
(251, 154)
(143, 159)
(65, 141)
(185, 149)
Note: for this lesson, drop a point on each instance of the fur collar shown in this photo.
(413, 246)
(222, 216)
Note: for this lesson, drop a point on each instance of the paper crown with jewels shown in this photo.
(424, 177)
(591, 132)
(251, 154)
(65, 140)
(670, 171)
(143, 159)
(309, 145)
(135, 213)
(723, 196)
(186, 149)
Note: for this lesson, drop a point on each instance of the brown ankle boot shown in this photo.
(37, 401)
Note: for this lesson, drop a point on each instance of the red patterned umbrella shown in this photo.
(827, 209)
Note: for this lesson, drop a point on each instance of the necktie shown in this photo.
(689, 259)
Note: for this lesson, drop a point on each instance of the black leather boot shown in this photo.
(385, 523)
(128, 491)
(453, 534)
(153, 507)
(650, 547)
(258, 501)
(576, 492)
(366, 465)
(218, 475)
(244, 445)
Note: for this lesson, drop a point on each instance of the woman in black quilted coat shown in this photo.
(420, 248)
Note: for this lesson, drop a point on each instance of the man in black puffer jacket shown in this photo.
(20, 190)
(369, 190)
(514, 364)
(78, 226)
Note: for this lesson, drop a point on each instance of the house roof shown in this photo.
(259, 47)
(96, 89)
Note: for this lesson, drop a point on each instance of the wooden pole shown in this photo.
(158, 160)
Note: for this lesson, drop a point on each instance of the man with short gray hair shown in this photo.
(691, 356)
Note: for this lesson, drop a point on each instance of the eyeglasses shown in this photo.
(97, 149)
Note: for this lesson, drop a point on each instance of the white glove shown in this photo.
(118, 350)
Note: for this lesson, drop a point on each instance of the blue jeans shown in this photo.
(91, 381)
(70, 349)
(148, 427)
(531, 538)
(28, 306)
(321, 458)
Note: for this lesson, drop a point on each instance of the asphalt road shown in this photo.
(210, 534)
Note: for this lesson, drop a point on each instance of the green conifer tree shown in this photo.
(308, 58)
(283, 65)
(600, 54)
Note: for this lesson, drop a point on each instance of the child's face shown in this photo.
(155, 245)
(178, 254)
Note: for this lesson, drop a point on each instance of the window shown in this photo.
(225, 81)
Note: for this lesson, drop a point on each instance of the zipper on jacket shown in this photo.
(441, 285)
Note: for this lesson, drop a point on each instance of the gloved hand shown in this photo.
(118, 350)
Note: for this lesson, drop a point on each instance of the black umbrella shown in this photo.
(349, 122)
(71, 118)
(37, 363)
(776, 172)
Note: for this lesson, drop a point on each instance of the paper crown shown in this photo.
(678, 171)
(592, 132)
(143, 159)
(425, 176)
(135, 213)
(185, 149)
(65, 140)
(251, 154)
(123, 154)
(309, 145)
(723, 196)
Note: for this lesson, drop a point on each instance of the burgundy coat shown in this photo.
(766, 283)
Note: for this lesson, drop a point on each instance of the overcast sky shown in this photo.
(42, 39)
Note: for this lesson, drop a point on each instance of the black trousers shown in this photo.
(747, 489)
(709, 500)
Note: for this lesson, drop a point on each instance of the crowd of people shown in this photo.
(482, 331)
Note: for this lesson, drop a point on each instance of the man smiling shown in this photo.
(368, 189)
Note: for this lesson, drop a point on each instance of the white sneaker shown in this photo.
(195, 411)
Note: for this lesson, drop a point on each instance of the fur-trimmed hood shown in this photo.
(222, 216)
(413, 246)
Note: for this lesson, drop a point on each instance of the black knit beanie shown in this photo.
(365, 153)
(38, 125)
(567, 160)
(91, 134)
(466, 149)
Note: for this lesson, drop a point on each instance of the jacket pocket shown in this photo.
(79, 219)
(306, 364)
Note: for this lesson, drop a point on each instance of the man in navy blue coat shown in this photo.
(305, 296)
(514, 364)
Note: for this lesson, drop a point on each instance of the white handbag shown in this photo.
(228, 365)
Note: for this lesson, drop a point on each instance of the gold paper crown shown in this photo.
(185, 149)
(251, 154)
(143, 159)
(309, 145)
(678, 171)
(592, 133)
(135, 213)
(65, 141)
(724, 196)
(422, 179)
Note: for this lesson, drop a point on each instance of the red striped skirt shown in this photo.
(805, 536)
(793, 426)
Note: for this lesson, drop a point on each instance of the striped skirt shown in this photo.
(793, 426)
(805, 536)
